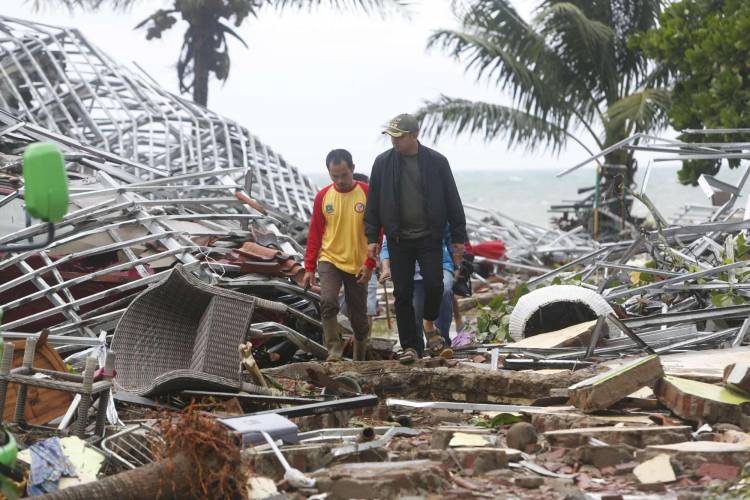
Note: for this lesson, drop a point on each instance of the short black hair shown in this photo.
(361, 177)
(339, 155)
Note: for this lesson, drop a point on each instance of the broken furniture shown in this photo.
(42, 405)
(131, 446)
(28, 376)
(182, 334)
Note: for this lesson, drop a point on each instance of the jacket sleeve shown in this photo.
(315, 233)
(454, 206)
(372, 209)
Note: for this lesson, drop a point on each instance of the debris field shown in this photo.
(162, 346)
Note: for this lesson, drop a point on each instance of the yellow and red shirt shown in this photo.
(337, 229)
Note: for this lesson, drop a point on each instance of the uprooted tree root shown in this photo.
(211, 449)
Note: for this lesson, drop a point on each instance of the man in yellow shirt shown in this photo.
(337, 246)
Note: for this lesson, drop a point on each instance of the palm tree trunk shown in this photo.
(165, 480)
(201, 69)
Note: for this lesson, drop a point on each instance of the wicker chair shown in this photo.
(180, 334)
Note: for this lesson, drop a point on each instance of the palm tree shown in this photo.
(204, 48)
(570, 74)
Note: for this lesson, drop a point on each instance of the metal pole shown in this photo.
(387, 307)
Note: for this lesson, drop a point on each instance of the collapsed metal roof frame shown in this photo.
(55, 78)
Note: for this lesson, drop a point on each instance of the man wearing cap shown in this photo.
(412, 196)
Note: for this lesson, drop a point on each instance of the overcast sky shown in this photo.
(313, 81)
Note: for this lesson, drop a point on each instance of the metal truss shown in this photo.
(56, 79)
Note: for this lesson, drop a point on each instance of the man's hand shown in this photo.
(385, 270)
(308, 279)
(372, 251)
(364, 275)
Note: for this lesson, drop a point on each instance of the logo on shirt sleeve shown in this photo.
(359, 207)
(329, 208)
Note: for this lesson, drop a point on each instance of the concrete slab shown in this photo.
(690, 455)
(640, 437)
(603, 391)
(383, 480)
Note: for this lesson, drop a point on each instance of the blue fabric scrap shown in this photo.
(48, 465)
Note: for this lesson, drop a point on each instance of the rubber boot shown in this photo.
(333, 340)
(359, 349)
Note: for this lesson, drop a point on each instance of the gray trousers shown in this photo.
(331, 279)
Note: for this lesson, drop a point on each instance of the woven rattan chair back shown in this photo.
(181, 334)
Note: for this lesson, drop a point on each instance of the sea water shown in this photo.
(528, 194)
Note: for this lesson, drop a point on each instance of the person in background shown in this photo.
(337, 247)
(412, 196)
(445, 317)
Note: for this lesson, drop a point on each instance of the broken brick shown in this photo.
(626, 468)
(528, 482)
(718, 471)
(302, 457)
(556, 420)
(701, 402)
(605, 456)
(604, 390)
(474, 460)
(737, 377)
(690, 455)
(382, 480)
(388, 379)
(633, 436)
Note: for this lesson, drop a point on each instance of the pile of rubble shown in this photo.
(161, 345)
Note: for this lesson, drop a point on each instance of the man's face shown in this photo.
(342, 175)
(406, 144)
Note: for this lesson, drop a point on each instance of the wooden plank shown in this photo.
(573, 336)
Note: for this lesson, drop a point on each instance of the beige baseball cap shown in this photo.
(402, 124)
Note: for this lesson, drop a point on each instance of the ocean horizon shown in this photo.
(528, 194)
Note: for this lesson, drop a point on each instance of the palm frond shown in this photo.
(493, 62)
(567, 20)
(641, 111)
(659, 76)
(87, 4)
(448, 115)
(229, 31)
(497, 44)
